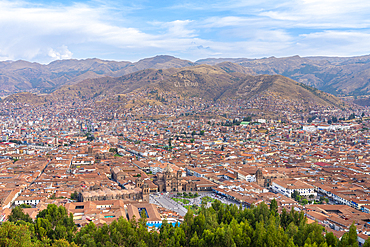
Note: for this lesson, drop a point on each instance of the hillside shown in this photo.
(26, 98)
(336, 75)
(21, 76)
(202, 80)
(341, 76)
(210, 83)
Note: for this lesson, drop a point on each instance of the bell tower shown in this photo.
(259, 177)
(145, 192)
(139, 182)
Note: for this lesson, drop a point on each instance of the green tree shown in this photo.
(349, 238)
(352, 116)
(304, 201)
(17, 214)
(12, 235)
(331, 240)
(55, 223)
(285, 219)
(247, 119)
(218, 225)
(274, 206)
(63, 243)
(296, 196)
(74, 195)
(259, 235)
(194, 241)
(291, 230)
(367, 243)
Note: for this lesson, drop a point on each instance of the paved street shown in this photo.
(166, 201)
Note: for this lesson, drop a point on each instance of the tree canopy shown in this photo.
(218, 225)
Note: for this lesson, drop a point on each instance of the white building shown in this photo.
(288, 186)
(33, 201)
(313, 128)
(246, 176)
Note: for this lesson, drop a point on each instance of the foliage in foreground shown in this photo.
(219, 225)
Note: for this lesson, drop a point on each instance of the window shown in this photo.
(80, 207)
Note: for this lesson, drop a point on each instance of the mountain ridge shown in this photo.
(18, 76)
(206, 82)
(341, 76)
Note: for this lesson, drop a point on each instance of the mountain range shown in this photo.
(341, 76)
(223, 81)
(21, 75)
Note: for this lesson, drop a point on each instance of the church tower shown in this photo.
(179, 181)
(145, 192)
(259, 177)
(139, 182)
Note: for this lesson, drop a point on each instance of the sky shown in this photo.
(43, 31)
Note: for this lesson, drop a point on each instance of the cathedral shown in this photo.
(262, 180)
(168, 181)
(96, 193)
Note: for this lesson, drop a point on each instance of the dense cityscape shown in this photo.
(106, 164)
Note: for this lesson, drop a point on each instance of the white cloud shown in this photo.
(26, 31)
(322, 13)
(178, 28)
(62, 53)
(43, 33)
(248, 29)
(334, 43)
(227, 21)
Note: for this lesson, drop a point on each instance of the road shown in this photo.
(166, 202)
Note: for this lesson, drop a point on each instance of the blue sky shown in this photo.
(43, 31)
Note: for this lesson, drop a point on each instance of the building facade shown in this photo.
(168, 180)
